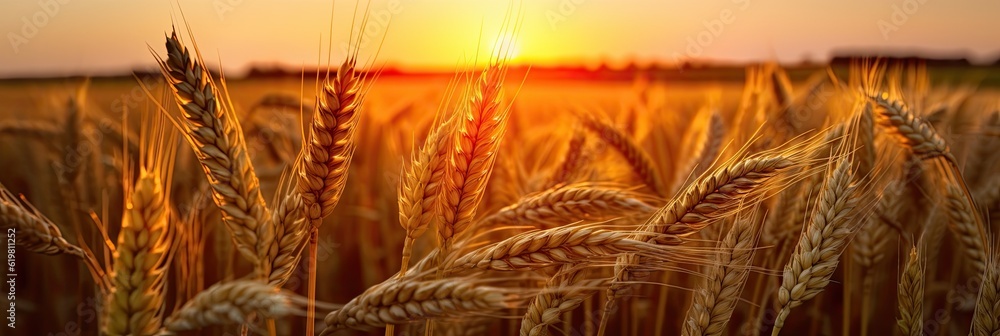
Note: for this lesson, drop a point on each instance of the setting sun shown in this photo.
(506, 46)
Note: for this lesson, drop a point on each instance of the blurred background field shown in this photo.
(360, 243)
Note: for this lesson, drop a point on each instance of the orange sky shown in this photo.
(110, 36)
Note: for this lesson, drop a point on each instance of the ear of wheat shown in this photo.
(714, 135)
(568, 204)
(212, 129)
(421, 186)
(986, 319)
(818, 252)
(290, 234)
(35, 232)
(715, 300)
(563, 245)
(708, 199)
(964, 227)
(637, 158)
(912, 131)
(571, 161)
(401, 301)
(231, 303)
(564, 292)
(475, 144)
(135, 304)
(911, 296)
(330, 147)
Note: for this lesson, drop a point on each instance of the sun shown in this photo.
(506, 46)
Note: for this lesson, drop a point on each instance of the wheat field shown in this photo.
(843, 200)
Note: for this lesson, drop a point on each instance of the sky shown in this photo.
(93, 37)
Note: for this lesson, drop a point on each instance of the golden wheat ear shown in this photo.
(330, 146)
(143, 251)
(714, 196)
(818, 252)
(564, 204)
(422, 184)
(402, 301)
(233, 303)
(564, 292)
(637, 158)
(986, 320)
(34, 231)
(911, 295)
(716, 298)
(476, 141)
(213, 131)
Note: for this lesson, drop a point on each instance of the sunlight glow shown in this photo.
(505, 47)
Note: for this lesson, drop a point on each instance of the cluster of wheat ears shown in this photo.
(731, 223)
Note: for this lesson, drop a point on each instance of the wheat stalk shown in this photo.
(781, 87)
(911, 296)
(421, 187)
(713, 144)
(326, 158)
(818, 252)
(715, 196)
